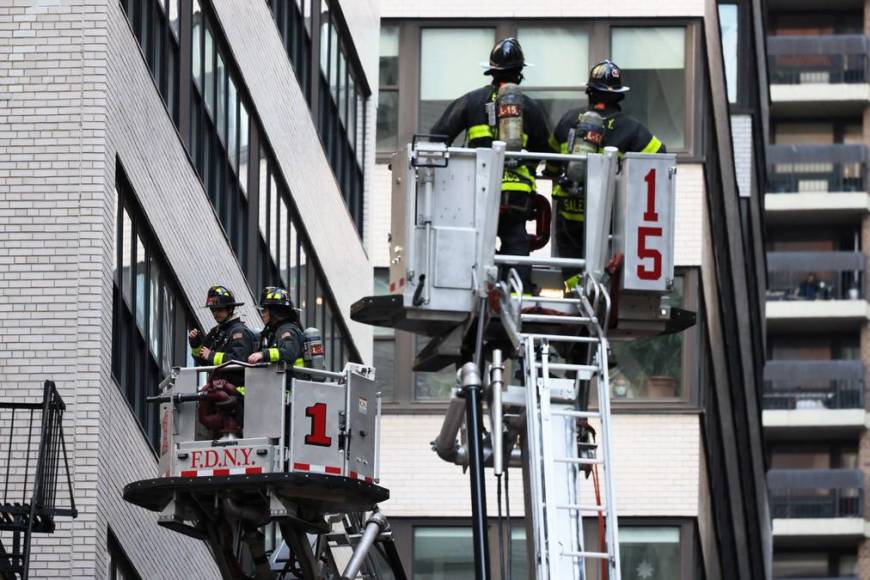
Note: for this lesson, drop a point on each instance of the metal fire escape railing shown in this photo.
(32, 447)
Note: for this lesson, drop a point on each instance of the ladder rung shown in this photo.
(583, 508)
(505, 259)
(561, 338)
(578, 414)
(555, 319)
(580, 461)
(567, 367)
(545, 299)
(598, 555)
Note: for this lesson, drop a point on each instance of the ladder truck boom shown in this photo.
(531, 361)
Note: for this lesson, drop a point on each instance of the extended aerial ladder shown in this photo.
(448, 283)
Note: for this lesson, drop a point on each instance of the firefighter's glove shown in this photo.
(194, 337)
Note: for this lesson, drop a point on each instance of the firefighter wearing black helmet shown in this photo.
(229, 340)
(605, 90)
(282, 338)
(472, 113)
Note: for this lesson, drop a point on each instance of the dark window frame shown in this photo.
(599, 48)
(135, 371)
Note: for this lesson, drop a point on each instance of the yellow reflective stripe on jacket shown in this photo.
(274, 355)
(299, 362)
(241, 390)
(653, 146)
(485, 132)
(479, 132)
(553, 143)
(218, 358)
(518, 179)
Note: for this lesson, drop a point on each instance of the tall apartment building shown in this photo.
(148, 150)
(689, 457)
(817, 233)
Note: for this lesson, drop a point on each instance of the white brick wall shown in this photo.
(52, 84)
(656, 467)
(741, 138)
(689, 219)
(539, 8)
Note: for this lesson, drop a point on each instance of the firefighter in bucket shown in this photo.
(229, 340)
(282, 339)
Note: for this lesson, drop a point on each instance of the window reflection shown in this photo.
(650, 368)
(559, 58)
(464, 49)
(653, 60)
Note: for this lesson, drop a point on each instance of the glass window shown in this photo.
(432, 386)
(292, 283)
(168, 323)
(388, 121)
(650, 368)
(172, 12)
(196, 58)
(342, 89)
(244, 143)
(803, 564)
(326, 334)
(443, 553)
(264, 194)
(651, 553)
(127, 259)
(728, 26)
(325, 30)
(334, 59)
(208, 55)
(221, 98)
(560, 60)
(232, 124)
(388, 67)
(140, 284)
(282, 243)
(302, 303)
(351, 112)
(273, 218)
(464, 49)
(654, 63)
(385, 344)
(154, 308)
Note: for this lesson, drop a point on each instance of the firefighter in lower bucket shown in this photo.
(229, 340)
(282, 339)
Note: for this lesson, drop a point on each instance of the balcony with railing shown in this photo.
(814, 276)
(809, 169)
(832, 59)
(820, 503)
(813, 385)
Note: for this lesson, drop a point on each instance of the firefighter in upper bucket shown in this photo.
(229, 340)
(282, 338)
(499, 111)
(603, 124)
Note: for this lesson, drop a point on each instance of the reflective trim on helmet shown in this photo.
(218, 358)
(274, 355)
(479, 132)
(653, 146)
